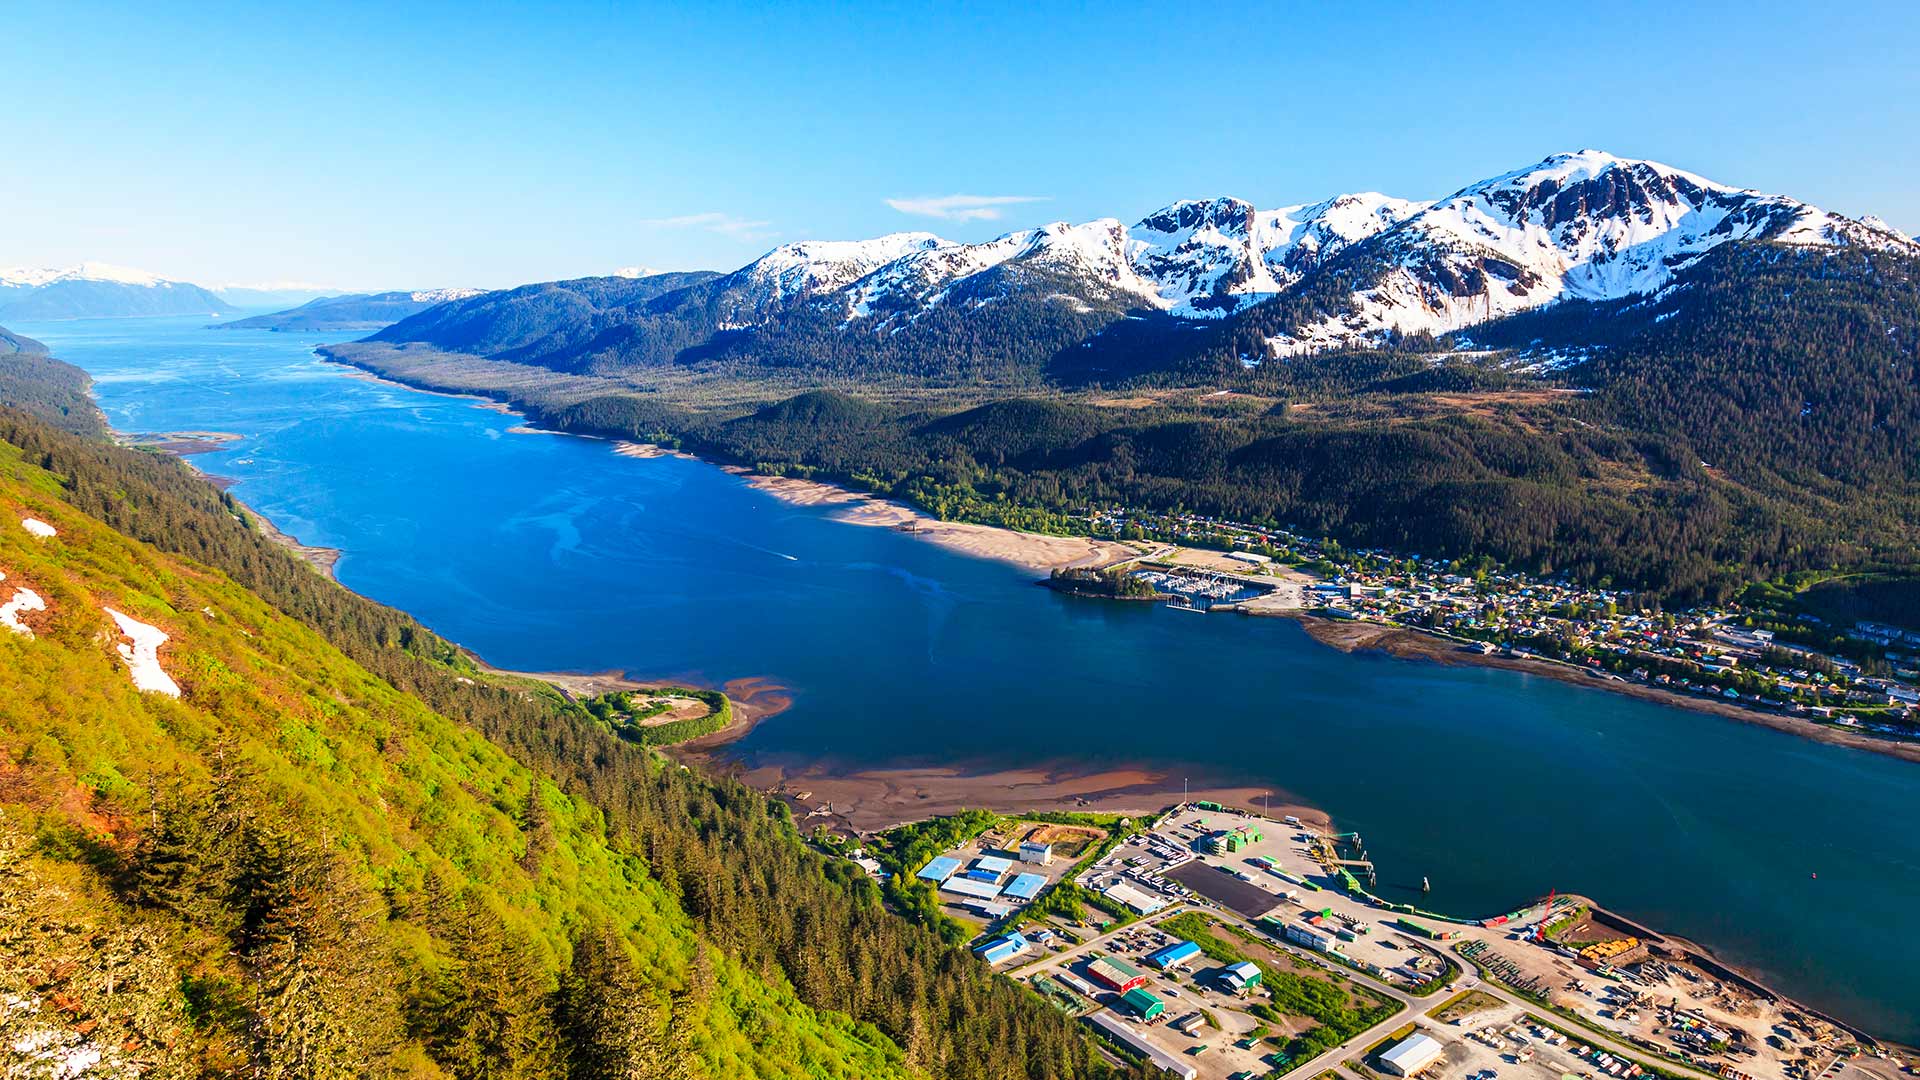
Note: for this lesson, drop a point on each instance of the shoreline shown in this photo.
(185, 444)
(868, 801)
(1029, 551)
(1037, 552)
(1409, 643)
(323, 559)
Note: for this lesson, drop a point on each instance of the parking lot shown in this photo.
(1275, 875)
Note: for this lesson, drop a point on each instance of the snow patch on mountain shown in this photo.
(441, 296)
(1212, 259)
(24, 600)
(812, 266)
(141, 653)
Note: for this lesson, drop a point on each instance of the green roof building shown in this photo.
(1143, 1003)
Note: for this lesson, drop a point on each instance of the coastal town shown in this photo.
(1213, 942)
(1861, 676)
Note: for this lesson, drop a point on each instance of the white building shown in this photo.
(1415, 1052)
(1041, 854)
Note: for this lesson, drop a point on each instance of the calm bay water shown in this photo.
(545, 552)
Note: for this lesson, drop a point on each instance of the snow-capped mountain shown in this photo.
(99, 290)
(1215, 258)
(810, 268)
(1344, 272)
(1194, 259)
(1585, 225)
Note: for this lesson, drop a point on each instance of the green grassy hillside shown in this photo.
(312, 862)
(344, 851)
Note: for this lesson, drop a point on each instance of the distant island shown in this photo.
(351, 313)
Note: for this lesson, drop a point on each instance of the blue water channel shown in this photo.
(548, 552)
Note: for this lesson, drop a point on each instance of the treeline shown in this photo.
(727, 856)
(1552, 495)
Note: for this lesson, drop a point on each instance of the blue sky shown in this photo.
(406, 145)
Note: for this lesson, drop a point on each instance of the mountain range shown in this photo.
(97, 290)
(1353, 271)
(93, 290)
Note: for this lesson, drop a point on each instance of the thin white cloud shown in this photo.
(961, 207)
(715, 222)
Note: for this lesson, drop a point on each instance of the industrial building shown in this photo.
(1143, 1003)
(1139, 900)
(1130, 1040)
(979, 874)
(1241, 977)
(1177, 955)
(1002, 949)
(993, 864)
(1411, 1054)
(979, 890)
(1116, 974)
(1042, 854)
(1025, 886)
(939, 869)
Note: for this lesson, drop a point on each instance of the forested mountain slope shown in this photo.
(1795, 369)
(340, 851)
(48, 389)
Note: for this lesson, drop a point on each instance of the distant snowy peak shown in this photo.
(31, 278)
(1584, 225)
(99, 290)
